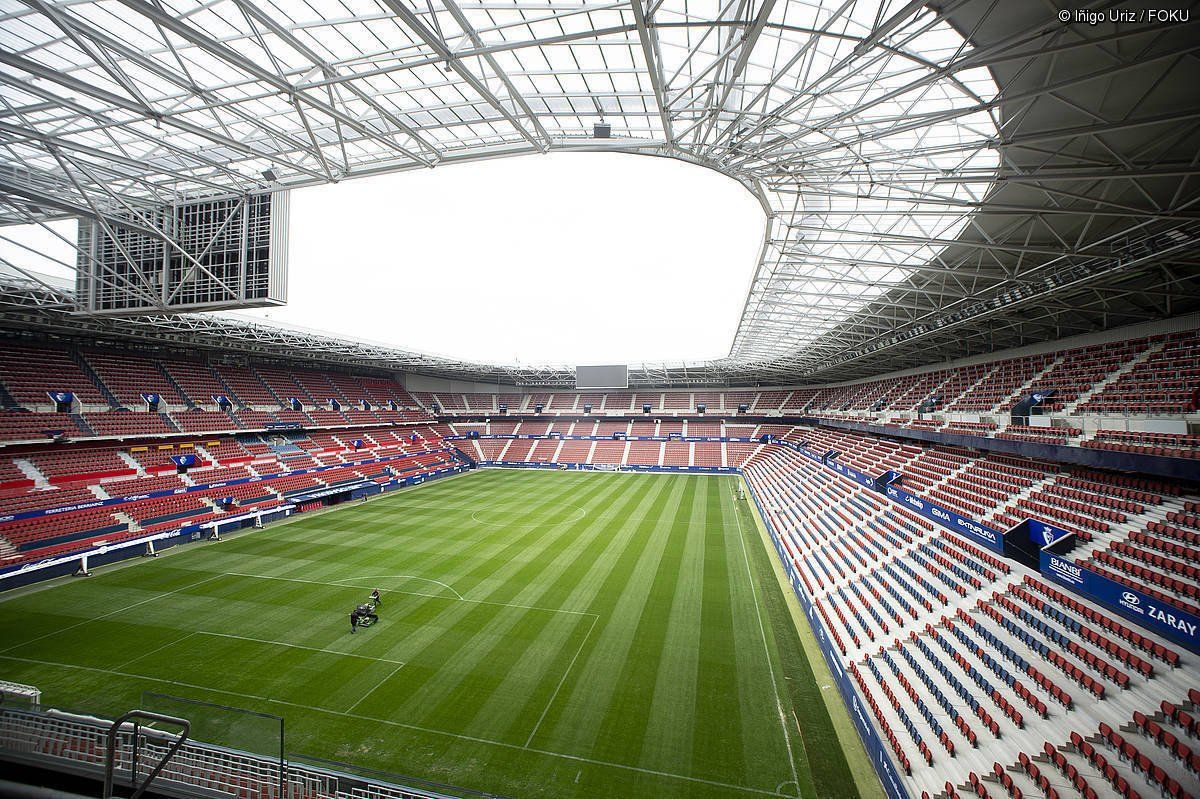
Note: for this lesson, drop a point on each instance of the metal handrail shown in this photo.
(111, 749)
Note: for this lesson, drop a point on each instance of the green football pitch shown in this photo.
(542, 634)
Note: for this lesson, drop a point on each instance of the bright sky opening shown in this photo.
(567, 258)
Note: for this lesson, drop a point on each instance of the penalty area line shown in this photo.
(110, 613)
(561, 680)
(374, 688)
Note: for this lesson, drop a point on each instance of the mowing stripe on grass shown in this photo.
(457, 598)
(614, 650)
(393, 723)
(563, 679)
(787, 738)
(111, 613)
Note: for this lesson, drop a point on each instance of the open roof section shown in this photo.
(938, 182)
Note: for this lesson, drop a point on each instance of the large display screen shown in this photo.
(615, 376)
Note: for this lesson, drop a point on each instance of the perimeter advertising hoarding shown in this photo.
(1153, 614)
(992, 539)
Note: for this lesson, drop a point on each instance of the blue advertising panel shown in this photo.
(1153, 614)
(151, 399)
(992, 539)
(62, 397)
(864, 480)
(184, 460)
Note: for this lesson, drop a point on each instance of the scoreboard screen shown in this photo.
(613, 376)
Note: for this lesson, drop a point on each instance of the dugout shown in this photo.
(335, 494)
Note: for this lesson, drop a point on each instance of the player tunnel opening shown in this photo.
(353, 489)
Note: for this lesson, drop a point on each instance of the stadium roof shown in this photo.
(937, 181)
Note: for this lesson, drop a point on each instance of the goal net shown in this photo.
(15, 693)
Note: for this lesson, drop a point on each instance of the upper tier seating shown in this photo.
(28, 373)
(1178, 445)
(1004, 379)
(129, 423)
(248, 388)
(1167, 381)
(198, 382)
(129, 376)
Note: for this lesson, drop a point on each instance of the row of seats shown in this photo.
(993, 387)
(974, 652)
(91, 474)
(120, 378)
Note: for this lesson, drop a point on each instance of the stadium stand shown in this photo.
(961, 657)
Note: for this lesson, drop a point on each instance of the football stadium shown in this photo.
(850, 446)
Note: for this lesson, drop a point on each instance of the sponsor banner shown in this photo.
(1153, 614)
(803, 450)
(865, 480)
(282, 426)
(992, 539)
(877, 749)
(99, 550)
(332, 491)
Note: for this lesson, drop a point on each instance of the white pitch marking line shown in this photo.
(374, 688)
(399, 577)
(179, 640)
(561, 680)
(787, 738)
(300, 646)
(412, 593)
(110, 613)
(403, 725)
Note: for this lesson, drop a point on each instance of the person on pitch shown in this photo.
(375, 598)
(354, 621)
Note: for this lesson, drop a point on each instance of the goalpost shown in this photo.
(29, 694)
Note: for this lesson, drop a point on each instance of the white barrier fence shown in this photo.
(77, 744)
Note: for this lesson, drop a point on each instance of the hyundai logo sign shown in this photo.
(1131, 598)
